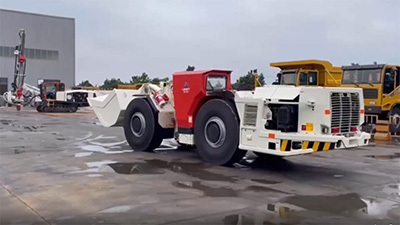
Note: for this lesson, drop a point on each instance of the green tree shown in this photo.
(190, 68)
(85, 83)
(144, 78)
(111, 84)
(247, 82)
(158, 80)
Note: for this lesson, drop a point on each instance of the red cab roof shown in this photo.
(202, 72)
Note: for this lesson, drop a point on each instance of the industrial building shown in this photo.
(49, 47)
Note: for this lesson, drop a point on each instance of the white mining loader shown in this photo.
(202, 110)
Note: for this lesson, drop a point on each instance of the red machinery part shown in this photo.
(190, 93)
(19, 92)
(22, 58)
(159, 99)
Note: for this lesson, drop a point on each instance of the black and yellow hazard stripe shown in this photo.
(286, 145)
(316, 146)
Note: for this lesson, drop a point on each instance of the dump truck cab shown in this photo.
(380, 84)
(308, 73)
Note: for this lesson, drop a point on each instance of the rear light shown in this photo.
(362, 111)
(354, 129)
(271, 135)
(303, 127)
(335, 130)
(327, 112)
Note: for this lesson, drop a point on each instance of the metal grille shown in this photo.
(250, 115)
(370, 93)
(345, 111)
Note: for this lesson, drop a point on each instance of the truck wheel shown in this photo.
(39, 108)
(395, 111)
(141, 127)
(216, 133)
(73, 109)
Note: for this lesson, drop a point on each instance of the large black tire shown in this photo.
(73, 109)
(216, 133)
(141, 128)
(395, 111)
(39, 108)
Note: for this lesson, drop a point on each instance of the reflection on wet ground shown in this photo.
(393, 156)
(156, 166)
(263, 181)
(294, 209)
(221, 191)
(134, 168)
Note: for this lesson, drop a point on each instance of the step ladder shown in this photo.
(382, 130)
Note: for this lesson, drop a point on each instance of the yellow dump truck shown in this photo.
(308, 72)
(380, 84)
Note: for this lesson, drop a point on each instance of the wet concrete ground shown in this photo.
(68, 169)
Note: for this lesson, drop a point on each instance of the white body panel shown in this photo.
(312, 105)
(64, 95)
(110, 106)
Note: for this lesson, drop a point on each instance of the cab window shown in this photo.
(61, 87)
(388, 85)
(308, 78)
(216, 83)
(398, 76)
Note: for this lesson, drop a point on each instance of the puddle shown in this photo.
(95, 167)
(262, 181)
(117, 209)
(210, 191)
(155, 166)
(7, 122)
(393, 156)
(28, 128)
(337, 204)
(207, 190)
(255, 188)
(134, 168)
(345, 208)
(197, 170)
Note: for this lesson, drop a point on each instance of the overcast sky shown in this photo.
(121, 38)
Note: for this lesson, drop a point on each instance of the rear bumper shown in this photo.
(287, 144)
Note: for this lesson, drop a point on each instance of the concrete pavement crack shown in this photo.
(33, 210)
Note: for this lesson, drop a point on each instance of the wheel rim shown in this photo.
(215, 132)
(138, 124)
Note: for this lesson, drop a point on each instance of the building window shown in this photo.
(3, 85)
(30, 53)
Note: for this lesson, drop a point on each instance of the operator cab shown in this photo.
(308, 73)
(298, 77)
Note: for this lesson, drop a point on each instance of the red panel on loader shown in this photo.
(190, 93)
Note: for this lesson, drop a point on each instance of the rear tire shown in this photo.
(141, 128)
(216, 133)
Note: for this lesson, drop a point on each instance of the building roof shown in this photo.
(36, 14)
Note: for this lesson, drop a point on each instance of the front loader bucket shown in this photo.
(110, 106)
